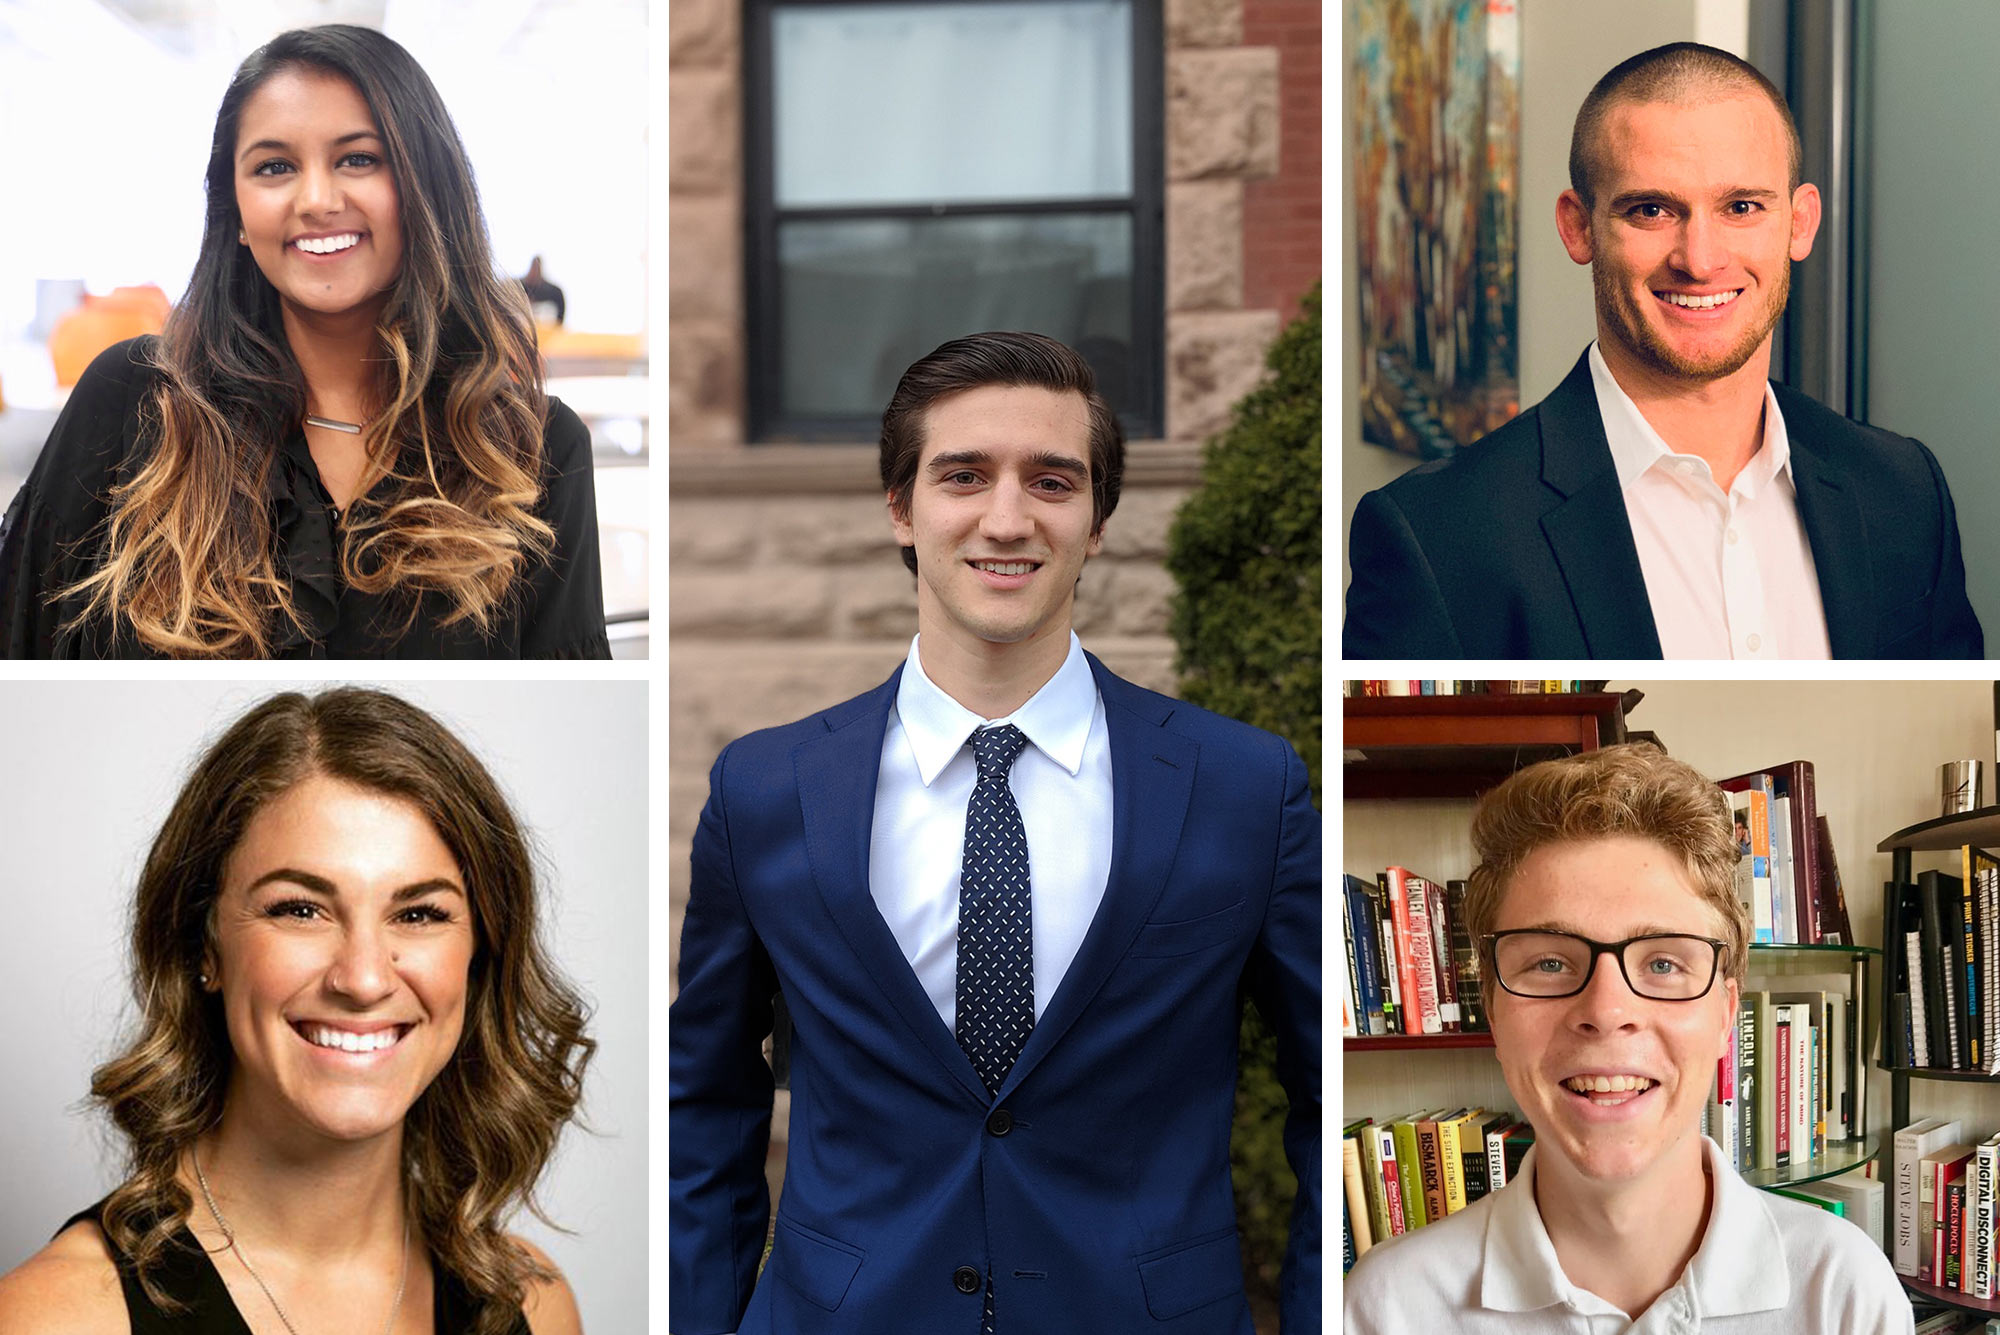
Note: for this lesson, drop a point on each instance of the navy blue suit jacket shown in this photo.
(1519, 546)
(1102, 1201)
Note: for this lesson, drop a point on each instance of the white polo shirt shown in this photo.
(1766, 1266)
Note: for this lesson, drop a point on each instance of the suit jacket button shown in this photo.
(1000, 1123)
(965, 1279)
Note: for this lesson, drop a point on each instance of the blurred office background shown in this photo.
(106, 111)
(853, 184)
(1890, 320)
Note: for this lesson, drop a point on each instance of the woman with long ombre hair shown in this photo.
(352, 1058)
(340, 446)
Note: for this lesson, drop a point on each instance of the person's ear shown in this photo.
(1573, 226)
(1805, 220)
(899, 520)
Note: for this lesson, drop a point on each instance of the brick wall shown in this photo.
(1281, 215)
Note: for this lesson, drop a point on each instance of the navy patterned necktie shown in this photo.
(996, 956)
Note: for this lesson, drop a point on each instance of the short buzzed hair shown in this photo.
(1680, 72)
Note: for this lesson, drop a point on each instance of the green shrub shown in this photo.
(1245, 551)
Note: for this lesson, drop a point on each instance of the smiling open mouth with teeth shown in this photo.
(1692, 302)
(328, 245)
(346, 1040)
(1007, 567)
(1608, 1089)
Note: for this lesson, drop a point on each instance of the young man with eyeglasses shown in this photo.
(1614, 947)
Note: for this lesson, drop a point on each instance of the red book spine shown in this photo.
(1423, 953)
(1406, 976)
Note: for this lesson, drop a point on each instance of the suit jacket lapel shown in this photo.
(1835, 528)
(1152, 777)
(836, 776)
(1588, 531)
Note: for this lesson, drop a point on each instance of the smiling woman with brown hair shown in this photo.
(340, 447)
(353, 1058)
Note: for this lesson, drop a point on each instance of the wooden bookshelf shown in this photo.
(1413, 1042)
(1397, 746)
(1950, 1297)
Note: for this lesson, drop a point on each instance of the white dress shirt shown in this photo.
(1766, 1266)
(1729, 575)
(916, 848)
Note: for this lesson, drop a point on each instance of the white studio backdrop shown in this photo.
(107, 108)
(91, 769)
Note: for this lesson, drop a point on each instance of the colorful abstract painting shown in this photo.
(1437, 151)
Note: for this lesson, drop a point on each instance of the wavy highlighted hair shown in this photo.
(1634, 790)
(477, 1139)
(190, 557)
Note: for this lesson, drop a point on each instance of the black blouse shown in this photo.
(53, 533)
(187, 1275)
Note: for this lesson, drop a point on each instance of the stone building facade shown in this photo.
(786, 592)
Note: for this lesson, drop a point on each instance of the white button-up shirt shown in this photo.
(1766, 1266)
(1062, 783)
(1729, 574)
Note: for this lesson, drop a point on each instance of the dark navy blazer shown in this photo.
(1519, 546)
(1095, 1187)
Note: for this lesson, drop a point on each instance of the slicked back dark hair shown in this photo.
(1680, 72)
(1013, 359)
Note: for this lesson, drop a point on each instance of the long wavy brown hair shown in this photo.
(190, 556)
(477, 1139)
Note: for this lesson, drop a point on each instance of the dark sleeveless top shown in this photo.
(186, 1274)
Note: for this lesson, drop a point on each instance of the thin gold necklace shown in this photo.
(229, 1235)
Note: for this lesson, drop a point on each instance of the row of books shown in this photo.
(1786, 874)
(1361, 689)
(1412, 1171)
(1945, 1204)
(1944, 967)
(1411, 966)
(1855, 1197)
(1793, 1080)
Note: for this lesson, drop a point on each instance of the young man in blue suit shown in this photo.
(1011, 902)
(1667, 500)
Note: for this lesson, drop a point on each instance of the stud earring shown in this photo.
(242, 237)
(202, 978)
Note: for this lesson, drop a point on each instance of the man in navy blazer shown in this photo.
(1082, 1183)
(1667, 500)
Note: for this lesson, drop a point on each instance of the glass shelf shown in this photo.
(1841, 1156)
(1788, 947)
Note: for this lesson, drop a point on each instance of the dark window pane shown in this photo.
(860, 300)
(954, 103)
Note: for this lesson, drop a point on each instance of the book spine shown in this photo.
(1392, 1191)
(1985, 1161)
(1968, 935)
(1392, 987)
(1783, 1112)
(1746, 1085)
(1496, 1157)
(1368, 984)
(1904, 1257)
(1441, 956)
(1430, 1162)
(1423, 970)
(1465, 955)
(1926, 1205)
(1955, 1236)
(1375, 1181)
(1802, 1088)
(1451, 1164)
(1399, 914)
(1358, 1214)
(1409, 1175)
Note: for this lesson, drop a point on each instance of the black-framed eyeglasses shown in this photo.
(1660, 966)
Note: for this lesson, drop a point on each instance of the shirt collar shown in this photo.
(1056, 718)
(1739, 1267)
(1636, 447)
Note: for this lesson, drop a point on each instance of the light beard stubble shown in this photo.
(1645, 343)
